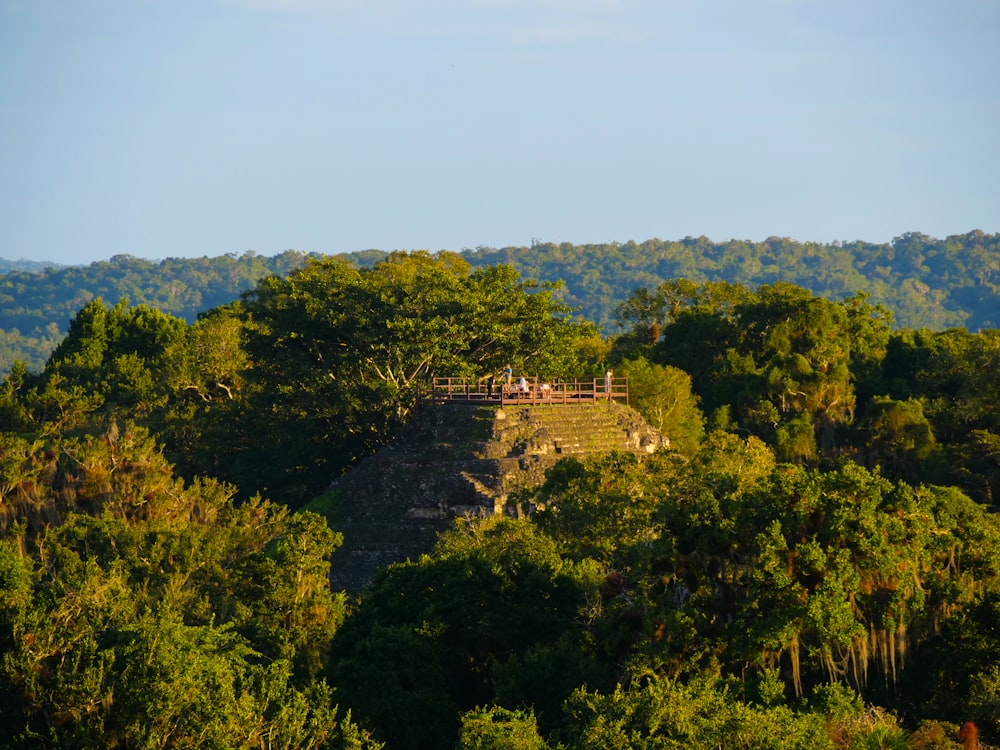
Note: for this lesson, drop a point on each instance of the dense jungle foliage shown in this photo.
(813, 564)
(926, 282)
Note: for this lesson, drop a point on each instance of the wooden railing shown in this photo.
(530, 392)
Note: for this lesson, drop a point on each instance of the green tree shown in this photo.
(952, 675)
(951, 375)
(604, 507)
(663, 396)
(164, 614)
(118, 354)
(901, 437)
(804, 356)
(497, 728)
(205, 386)
(439, 637)
(657, 712)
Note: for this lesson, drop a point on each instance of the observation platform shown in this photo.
(532, 393)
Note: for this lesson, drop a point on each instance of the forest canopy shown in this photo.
(814, 562)
(927, 282)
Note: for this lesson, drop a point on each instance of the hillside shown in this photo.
(925, 282)
(37, 303)
(22, 264)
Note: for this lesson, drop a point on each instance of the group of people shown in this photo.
(543, 390)
(507, 385)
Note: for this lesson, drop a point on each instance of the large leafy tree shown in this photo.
(664, 397)
(777, 360)
(337, 353)
(114, 358)
(664, 530)
(499, 729)
(495, 617)
(205, 391)
(946, 385)
(136, 610)
(654, 712)
(804, 355)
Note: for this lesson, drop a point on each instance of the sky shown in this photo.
(187, 128)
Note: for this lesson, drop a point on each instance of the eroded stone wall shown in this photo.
(454, 460)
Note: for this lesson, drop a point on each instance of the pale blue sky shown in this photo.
(166, 128)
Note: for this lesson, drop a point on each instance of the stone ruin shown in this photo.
(459, 459)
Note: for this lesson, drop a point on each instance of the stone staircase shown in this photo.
(454, 460)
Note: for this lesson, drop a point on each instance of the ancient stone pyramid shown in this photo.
(457, 459)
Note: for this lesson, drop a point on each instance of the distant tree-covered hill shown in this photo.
(6, 266)
(37, 305)
(926, 282)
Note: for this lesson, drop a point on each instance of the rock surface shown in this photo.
(454, 460)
